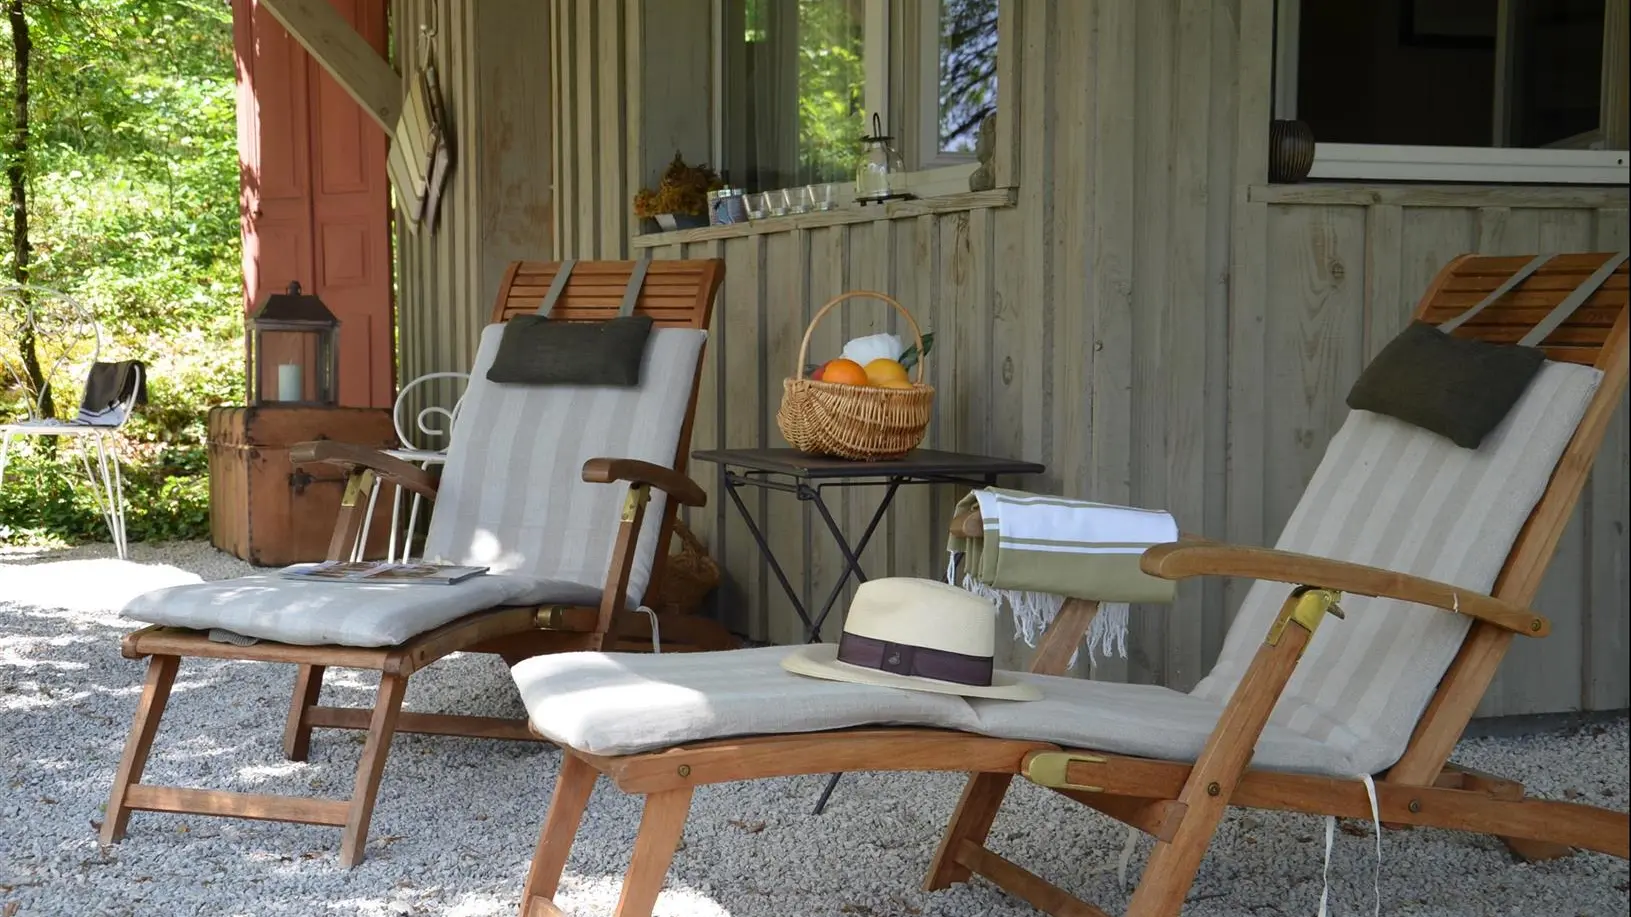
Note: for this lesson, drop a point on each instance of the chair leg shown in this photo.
(982, 797)
(572, 789)
(161, 675)
(396, 522)
(381, 728)
(661, 827)
(359, 548)
(308, 685)
(413, 525)
(110, 492)
(5, 454)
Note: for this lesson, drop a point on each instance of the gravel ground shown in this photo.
(457, 819)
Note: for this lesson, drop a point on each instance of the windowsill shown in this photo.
(1486, 165)
(1364, 194)
(845, 214)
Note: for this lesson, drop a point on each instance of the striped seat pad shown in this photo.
(512, 495)
(1394, 496)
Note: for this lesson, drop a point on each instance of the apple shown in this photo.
(818, 372)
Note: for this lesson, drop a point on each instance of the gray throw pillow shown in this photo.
(537, 351)
(1459, 388)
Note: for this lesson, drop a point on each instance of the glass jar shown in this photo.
(880, 167)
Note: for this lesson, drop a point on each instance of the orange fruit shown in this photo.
(844, 372)
(896, 383)
(884, 370)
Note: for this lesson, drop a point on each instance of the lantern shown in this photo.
(880, 167)
(294, 351)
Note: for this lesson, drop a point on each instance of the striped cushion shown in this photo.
(624, 703)
(512, 495)
(1391, 495)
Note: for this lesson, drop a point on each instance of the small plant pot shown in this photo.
(1291, 151)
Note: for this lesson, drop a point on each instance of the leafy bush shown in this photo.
(133, 210)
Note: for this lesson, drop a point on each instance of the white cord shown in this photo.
(1330, 837)
(656, 630)
(1126, 856)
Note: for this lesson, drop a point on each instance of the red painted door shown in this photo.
(314, 195)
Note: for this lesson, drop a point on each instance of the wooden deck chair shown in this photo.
(1438, 549)
(524, 491)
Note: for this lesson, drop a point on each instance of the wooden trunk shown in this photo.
(266, 511)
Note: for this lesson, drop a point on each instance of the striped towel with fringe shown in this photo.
(1039, 550)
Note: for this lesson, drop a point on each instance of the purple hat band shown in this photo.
(915, 661)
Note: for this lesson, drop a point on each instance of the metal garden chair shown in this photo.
(65, 337)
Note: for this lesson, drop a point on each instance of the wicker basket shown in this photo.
(688, 575)
(859, 422)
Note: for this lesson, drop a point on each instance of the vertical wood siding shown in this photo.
(1150, 320)
(493, 60)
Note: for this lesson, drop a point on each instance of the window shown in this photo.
(800, 80)
(1457, 90)
(960, 53)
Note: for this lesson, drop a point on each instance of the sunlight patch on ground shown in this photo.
(99, 584)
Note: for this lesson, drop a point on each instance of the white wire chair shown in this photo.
(433, 423)
(65, 336)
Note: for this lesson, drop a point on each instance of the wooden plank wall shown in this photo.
(1149, 320)
(493, 62)
(1070, 329)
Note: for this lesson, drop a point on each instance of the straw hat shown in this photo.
(915, 634)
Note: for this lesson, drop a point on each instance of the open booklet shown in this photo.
(379, 571)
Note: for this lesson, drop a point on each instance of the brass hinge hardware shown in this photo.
(548, 617)
(1311, 606)
(360, 482)
(1052, 769)
(638, 496)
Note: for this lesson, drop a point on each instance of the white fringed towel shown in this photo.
(1038, 550)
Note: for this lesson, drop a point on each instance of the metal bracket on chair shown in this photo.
(638, 496)
(1311, 607)
(359, 484)
(1052, 769)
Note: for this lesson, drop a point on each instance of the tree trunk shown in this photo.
(17, 177)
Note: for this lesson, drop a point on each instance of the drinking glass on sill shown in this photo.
(800, 200)
(776, 202)
(823, 196)
(758, 205)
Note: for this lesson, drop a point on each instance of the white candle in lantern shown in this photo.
(288, 382)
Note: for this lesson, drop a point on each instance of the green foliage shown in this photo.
(831, 89)
(133, 186)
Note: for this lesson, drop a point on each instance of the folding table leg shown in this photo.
(729, 483)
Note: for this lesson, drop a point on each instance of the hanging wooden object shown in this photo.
(421, 156)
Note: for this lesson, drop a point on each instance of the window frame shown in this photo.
(1400, 162)
(901, 58)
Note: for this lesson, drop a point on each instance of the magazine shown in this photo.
(379, 571)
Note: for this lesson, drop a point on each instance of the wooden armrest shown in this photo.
(669, 481)
(1181, 560)
(353, 456)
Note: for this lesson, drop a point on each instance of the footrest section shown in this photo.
(238, 805)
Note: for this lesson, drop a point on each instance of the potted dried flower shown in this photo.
(680, 200)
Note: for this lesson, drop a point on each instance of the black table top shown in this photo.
(918, 462)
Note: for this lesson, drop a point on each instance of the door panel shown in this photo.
(315, 200)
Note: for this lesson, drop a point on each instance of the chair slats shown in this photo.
(1465, 281)
(676, 294)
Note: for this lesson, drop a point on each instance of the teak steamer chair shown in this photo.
(1178, 800)
(676, 294)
